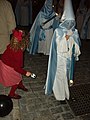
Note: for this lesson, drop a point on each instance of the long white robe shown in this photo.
(60, 63)
(7, 24)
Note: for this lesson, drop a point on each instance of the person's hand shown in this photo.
(67, 37)
(28, 74)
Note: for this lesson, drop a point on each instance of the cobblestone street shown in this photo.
(34, 104)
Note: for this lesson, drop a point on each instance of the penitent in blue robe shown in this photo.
(59, 66)
(38, 31)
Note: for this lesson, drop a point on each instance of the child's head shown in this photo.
(19, 39)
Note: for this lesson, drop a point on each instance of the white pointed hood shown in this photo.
(68, 13)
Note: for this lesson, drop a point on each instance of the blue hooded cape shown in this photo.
(46, 12)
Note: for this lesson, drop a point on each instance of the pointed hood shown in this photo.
(68, 13)
(47, 9)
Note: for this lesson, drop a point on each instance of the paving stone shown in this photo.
(67, 116)
(56, 110)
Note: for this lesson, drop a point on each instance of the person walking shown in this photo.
(7, 24)
(85, 31)
(42, 29)
(65, 44)
(80, 16)
(23, 12)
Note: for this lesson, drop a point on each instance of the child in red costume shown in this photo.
(11, 64)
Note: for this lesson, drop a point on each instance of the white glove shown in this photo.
(70, 83)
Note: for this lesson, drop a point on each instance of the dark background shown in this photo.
(37, 5)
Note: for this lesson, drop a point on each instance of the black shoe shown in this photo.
(63, 102)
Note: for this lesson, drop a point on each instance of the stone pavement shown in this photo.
(34, 105)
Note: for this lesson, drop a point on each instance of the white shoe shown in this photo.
(70, 83)
(33, 76)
